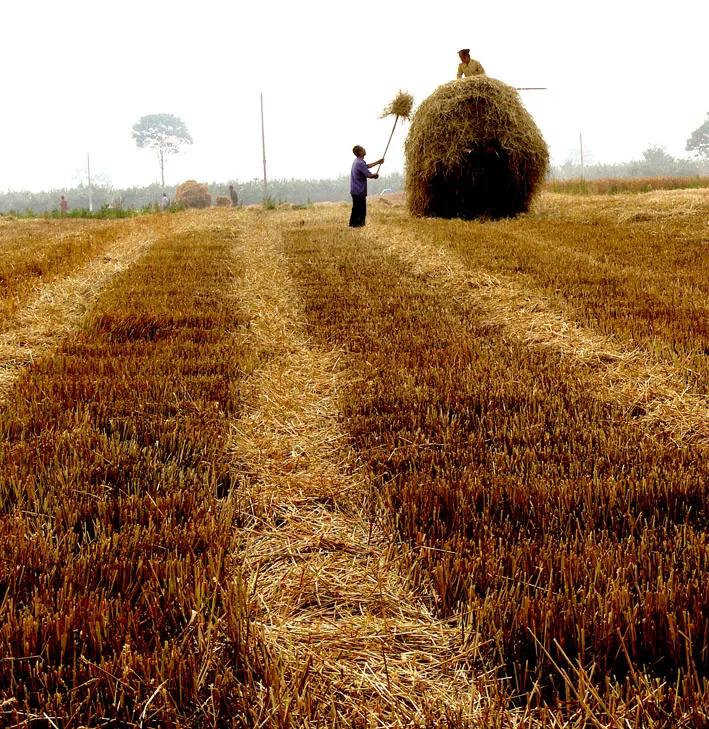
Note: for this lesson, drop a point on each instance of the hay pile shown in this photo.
(193, 194)
(473, 151)
(223, 201)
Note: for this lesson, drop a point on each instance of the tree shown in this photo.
(657, 161)
(165, 133)
(699, 141)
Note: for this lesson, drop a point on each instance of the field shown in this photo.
(259, 469)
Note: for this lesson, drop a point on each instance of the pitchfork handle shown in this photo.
(389, 142)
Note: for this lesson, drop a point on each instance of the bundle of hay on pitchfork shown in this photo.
(400, 108)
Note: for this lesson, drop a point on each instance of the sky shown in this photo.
(76, 76)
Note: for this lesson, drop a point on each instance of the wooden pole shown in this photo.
(386, 149)
(263, 147)
(88, 169)
(581, 150)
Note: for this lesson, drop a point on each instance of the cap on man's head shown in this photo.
(464, 50)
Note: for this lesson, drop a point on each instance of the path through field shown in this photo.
(338, 613)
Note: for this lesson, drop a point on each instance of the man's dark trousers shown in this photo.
(359, 211)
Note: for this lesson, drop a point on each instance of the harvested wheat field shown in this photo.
(261, 470)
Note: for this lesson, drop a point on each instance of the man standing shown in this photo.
(63, 204)
(468, 66)
(233, 196)
(358, 185)
(164, 202)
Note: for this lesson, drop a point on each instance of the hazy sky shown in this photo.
(76, 75)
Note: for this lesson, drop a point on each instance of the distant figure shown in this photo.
(63, 204)
(468, 66)
(234, 197)
(164, 202)
(358, 185)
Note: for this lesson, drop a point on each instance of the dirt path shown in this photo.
(651, 392)
(61, 305)
(349, 634)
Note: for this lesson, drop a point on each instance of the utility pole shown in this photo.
(263, 147)
(581, 150)
(88, 169)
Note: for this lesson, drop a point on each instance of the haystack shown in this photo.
(473, 151)
(223, 201)
(193, 194)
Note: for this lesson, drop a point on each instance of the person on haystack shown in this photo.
(358, 185)
(468, 66)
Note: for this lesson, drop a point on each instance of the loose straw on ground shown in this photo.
(60, 306)
(351, 638)
(627, 377)
(400, 107)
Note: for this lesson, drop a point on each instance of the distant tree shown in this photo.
(656, 161)
(699, 141)
(165, 133)
(657, 157)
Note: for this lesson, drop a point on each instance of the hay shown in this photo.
(340, 619)
(473, 151)
(193, 194)
(61, 305)
(627, 377)
(401, 106)
(223, 201)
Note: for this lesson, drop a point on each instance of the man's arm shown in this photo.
(374, 164)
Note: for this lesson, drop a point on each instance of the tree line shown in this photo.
(296, 191)
(655, 162)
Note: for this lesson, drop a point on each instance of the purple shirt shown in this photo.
(358, 177)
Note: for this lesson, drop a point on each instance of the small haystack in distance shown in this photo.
(473, 151)
(223, 201)
(193, 194)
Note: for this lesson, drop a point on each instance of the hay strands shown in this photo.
(400, 106)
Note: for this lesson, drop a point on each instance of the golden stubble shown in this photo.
(59, 306)
(326, 581)
(652, 391)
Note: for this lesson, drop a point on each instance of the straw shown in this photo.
(400, 106)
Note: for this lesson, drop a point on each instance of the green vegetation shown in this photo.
(105, 213)
(299, 192)
(655, 162)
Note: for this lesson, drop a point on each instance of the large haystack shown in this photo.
(473, 151)
(193, 194)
